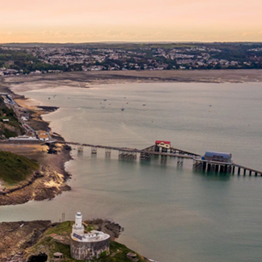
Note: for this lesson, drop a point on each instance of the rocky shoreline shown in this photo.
(50, 179)
(45, 183)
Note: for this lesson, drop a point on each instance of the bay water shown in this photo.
(169, 213)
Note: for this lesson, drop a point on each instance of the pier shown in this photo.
(216, 162)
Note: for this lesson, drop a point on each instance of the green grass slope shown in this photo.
(14, 168)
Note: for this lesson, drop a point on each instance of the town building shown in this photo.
(42, 135)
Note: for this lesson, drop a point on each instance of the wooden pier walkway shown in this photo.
(183, 154)
(245, 169)
(198, 162)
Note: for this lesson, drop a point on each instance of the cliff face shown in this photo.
(17, 236)
(45, 183)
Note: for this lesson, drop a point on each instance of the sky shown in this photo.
(62, 21)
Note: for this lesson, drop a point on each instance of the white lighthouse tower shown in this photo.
(78, 228)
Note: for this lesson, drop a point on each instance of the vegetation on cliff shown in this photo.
(12, 127)
(14, 168)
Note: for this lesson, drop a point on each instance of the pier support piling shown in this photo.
(204, 166)
(238, 172)
(108, 153)
(93, 150)
(180, 161)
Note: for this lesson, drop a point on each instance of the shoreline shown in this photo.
(51, 178)
(46, 183)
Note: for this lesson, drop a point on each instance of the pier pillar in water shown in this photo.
(208, 167)
(180, 161)
(80, 149)
(145, 156)
(93, 150)
(120, 154)
(204, 166)
(233, 170)
(108, 153)
(163, 159)
(238, 172)
(250, 172)
(245, 171)
(216, 168)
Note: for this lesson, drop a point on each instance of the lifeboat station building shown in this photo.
(162, 146)
(86, 246)
(214, 161)
(217, 156)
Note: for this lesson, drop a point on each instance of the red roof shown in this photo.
(161, 141)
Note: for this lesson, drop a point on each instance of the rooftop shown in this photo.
(93, 236)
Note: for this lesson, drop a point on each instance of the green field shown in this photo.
(14, 168)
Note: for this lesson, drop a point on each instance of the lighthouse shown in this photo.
(86, 246)
(78, 228)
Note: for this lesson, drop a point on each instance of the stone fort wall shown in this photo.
(88, 250)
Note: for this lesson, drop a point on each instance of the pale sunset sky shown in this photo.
(130, 20)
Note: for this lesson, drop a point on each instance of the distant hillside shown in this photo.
(14, 168)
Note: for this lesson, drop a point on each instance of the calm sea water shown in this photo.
(169, 213)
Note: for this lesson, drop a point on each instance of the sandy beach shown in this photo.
(87, 79)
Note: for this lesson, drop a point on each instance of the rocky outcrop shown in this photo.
(17, 236)
(45, 183)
